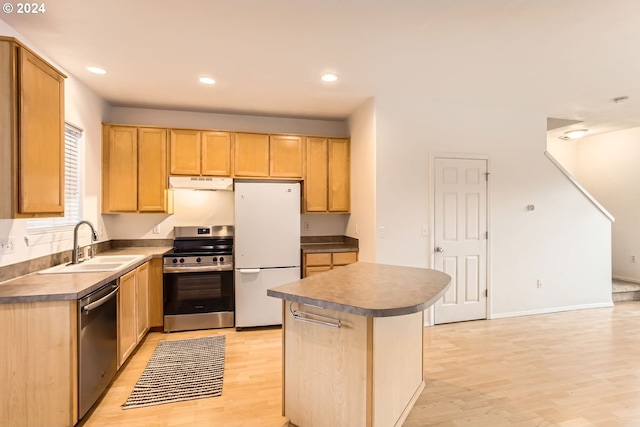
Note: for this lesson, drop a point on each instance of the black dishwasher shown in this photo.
(97, 344)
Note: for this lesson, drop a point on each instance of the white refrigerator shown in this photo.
(266, 247)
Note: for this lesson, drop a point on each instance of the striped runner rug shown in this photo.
(180, 370)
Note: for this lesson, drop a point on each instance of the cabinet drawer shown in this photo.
(344, 258)
(318, 259)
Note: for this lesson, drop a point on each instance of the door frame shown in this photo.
(433, 156)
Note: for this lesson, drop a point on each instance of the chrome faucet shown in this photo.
(76, 249)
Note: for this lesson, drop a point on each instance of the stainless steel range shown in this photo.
(198, 279)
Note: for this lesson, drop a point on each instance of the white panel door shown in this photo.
(253, 306)
(460, 229)
(267, 224)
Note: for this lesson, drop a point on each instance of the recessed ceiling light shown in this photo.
(207, 80)
(96, 70)
(329, 77)
(574, 134)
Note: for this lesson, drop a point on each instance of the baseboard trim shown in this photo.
(626, 279)
(551, 310)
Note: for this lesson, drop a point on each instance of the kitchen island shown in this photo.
(353, 344)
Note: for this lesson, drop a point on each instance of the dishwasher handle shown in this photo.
(87, 308)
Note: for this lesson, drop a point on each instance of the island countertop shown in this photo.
(368, 289)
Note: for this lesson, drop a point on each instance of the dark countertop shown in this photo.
(327, 247)
(367, 289)
(315, 244)
(71, 286)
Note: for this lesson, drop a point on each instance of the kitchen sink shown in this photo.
(114, 258)
(96, 264)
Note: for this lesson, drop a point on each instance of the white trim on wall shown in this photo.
(551, 310)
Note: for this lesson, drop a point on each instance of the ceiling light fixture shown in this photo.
(329, 77)
(574, 134)
(96, 70)
(207, 80)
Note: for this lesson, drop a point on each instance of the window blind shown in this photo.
(72, 204)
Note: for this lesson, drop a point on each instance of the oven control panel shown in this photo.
(198, 262)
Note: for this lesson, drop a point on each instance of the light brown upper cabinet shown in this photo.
(339, 183)
(152, 170)
(315, 183)
(327, 180)
(134, 171)
(216, 153)
(184, 149)
(119, 169)
(251, 155)
(285, 156)
(194, 152)
(31, 134)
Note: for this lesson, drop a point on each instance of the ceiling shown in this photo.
(564, 58)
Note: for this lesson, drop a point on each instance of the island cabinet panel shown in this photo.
(325, 375)
(366, 373)
(315, 183)
(185, 152)
(397, 369)
(127, 325)
(251, 155)
(285, 159)
(216, 153)
(38, 364)
(31, 134)
(339, 182)
(152, 170)
(120, 169)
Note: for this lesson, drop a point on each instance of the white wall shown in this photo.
(86, 110)
(362, 223)
(565, 242)
(231, 122)
(608, 168)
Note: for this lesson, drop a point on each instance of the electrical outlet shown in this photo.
(100, 230)
(539, 283)
(156, 229)
(633, 258)
(381, 233)
(307, 226)
(7, 245)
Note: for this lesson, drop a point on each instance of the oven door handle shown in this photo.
(249, 270)
(196, 269)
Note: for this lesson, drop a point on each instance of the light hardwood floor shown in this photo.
(570, 369)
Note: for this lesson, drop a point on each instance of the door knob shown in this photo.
(439, 249)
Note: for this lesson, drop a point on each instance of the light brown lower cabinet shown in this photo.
(38, 364)
(133, 310)
(156, 315)
(318, 262)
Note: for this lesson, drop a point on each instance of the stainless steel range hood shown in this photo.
(200, 183)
